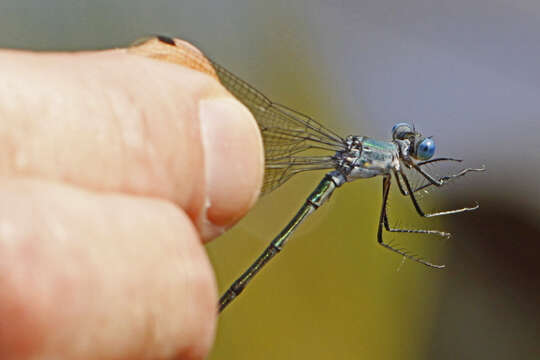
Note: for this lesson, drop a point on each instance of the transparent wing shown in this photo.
(291, 139)
(286, 133)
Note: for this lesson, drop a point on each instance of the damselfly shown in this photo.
(288, 135)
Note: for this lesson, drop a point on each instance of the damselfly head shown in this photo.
(421, 147)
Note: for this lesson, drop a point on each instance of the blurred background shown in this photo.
(465, 71)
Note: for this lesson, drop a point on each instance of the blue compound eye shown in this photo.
(400, 129)
(425, 149)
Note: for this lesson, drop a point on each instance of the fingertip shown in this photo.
(232, 145)
(234, 162)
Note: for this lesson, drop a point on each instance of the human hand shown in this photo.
(114, 170)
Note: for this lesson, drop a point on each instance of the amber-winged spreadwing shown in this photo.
(288, 135)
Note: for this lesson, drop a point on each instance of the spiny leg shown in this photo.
(446, 179)
(414, 231)
(419, 209)
(441, 181)
(400, 251)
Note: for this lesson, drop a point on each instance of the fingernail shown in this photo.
(233, 160)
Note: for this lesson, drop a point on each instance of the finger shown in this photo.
(112, 121)
(90, 276)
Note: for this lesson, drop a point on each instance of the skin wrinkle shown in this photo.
(122, 153)
(56, 154)
(170, 158)
(9, 154)
(187, 107)
(9, 137)
(148, 146)
(193, 132)
(50, 110)
(149, 339)
(199, 294)
(152, 150)
(117, 130)
(54, 110)
(132, 125)
(154, 338)
(188, 290)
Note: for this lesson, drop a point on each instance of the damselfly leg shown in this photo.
(417, 205)
(383, 223)
(442, 180)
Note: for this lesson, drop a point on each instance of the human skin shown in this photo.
(115, 169)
